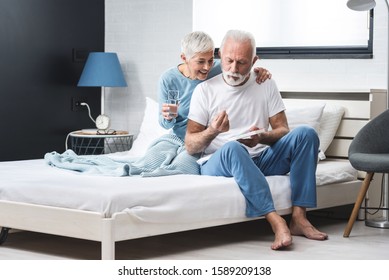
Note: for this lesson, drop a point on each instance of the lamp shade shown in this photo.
(102, 70)
(361, 5)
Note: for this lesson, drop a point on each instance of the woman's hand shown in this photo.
(166, 114)
(262, 74)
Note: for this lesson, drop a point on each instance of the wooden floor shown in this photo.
(244, 241)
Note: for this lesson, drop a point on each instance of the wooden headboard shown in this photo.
(360, 107)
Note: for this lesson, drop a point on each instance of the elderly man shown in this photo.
(232, 103)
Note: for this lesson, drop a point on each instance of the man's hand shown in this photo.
(220, 123)
(253, 140)
(198, 137)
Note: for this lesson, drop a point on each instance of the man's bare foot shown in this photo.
(305, 228)
(283, 237)
(282, 240)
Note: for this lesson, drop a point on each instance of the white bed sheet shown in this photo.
(183, 198)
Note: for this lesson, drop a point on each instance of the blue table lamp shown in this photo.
(102, 69)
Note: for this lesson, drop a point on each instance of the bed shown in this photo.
(37, 197)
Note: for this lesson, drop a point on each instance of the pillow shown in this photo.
(149, 129)
(300, 114)
(308, 114)
(324, 118)
(330, 120)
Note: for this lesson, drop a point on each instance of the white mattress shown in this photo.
(184, 198)
(334, 171)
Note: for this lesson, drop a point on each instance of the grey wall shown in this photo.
(39, 73)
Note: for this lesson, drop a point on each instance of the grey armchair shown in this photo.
(369, 152)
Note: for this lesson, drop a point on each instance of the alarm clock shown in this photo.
(102, 122)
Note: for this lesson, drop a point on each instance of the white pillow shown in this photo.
(330, 120)
(324, 118)
(300, 114)
(149, 129)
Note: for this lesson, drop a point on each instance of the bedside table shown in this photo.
(89, 142)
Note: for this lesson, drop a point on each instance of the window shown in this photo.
(291, 28)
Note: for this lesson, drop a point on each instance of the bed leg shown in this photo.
(107, 250)
(107, 242)
(3, 234)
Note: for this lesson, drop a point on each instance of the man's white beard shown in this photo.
(232, 82)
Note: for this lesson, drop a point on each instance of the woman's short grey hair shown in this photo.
(240, 36)
(196, 42)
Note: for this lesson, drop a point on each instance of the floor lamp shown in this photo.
(365, 5)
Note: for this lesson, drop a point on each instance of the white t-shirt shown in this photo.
(251, 104)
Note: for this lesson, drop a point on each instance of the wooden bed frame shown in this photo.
(360, 108)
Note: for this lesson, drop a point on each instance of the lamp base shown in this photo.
(89, 130)
(377, 223)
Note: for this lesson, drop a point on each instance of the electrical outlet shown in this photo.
(76, 104)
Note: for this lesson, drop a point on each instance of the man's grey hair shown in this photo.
(240, 36)
(196, 42)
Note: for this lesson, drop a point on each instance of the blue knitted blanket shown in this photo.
(165, 156)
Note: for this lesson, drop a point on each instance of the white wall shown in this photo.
(146, 34)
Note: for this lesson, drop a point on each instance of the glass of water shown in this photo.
(173, 99)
